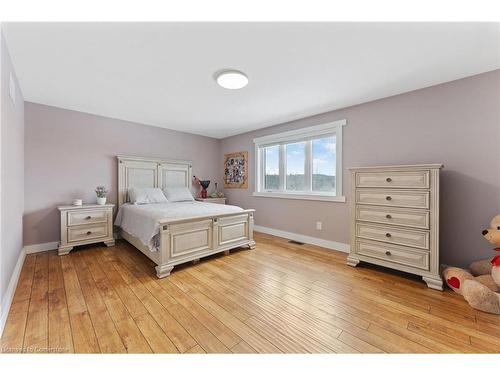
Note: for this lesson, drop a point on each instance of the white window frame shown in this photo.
(300, 135)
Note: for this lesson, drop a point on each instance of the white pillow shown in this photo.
(181, 194)
(146, 195)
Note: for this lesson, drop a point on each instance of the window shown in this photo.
(272, 163)
(323, 164)
(301, 164)
(295, 166)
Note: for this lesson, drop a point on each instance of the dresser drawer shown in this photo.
(386, 233)
(393, 253)
(387, 197)
(402, 179)
(87, 217)
(87, 232)
(393, 215)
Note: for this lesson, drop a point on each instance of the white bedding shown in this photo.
(142, 221)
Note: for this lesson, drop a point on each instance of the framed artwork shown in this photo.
(236, 170)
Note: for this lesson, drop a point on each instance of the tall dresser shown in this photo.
(395, 219)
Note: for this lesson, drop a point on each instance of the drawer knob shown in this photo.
(388, 198)
(89, 232)
(388, 235)
(387, 252)
(388, 179)
(388, 216)
(88, 218)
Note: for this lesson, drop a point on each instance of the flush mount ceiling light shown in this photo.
(231, 79)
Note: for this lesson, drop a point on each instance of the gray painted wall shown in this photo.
(12, 172)
(456, 123)
(69, 153)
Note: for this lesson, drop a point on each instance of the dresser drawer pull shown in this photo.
(388, 179)
(388, 235)
(89, 232)
(388, 216)
(388, 198)
(88, 218)
(388, 253)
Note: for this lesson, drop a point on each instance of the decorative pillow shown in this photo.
(146, 195)
(181, 194)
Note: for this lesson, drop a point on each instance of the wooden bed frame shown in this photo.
(186, 239)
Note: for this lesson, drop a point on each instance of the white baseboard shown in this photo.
(39, 247)
(11, 288)
(339, 246)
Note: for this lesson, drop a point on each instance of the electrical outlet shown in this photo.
(319, 225)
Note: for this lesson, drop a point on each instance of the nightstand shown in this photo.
(86, 224)
(212, 200)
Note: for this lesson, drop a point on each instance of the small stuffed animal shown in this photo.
(493, 236)
(481, 291)
(484, 267)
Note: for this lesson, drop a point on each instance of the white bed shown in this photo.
(143, 221)
(175, 233)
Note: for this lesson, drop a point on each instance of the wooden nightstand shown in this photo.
(81, 225)
(212, 200)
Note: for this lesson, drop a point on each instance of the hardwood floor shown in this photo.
(280, 297)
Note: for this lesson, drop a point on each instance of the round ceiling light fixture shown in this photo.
(231, 79)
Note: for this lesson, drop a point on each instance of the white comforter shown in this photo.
(142, 221)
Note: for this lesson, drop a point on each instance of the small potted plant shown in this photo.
(101, 194)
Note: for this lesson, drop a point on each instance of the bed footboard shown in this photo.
(185, 240)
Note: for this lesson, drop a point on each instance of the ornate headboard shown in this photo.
(145, 172)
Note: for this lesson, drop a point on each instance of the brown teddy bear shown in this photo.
(481, 290)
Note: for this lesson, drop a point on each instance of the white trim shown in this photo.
(305, 196)
(282, 169)
(332, 245)
(310, 131)
(304, 134)
(339, 168)
(11, 289)
(39, 247)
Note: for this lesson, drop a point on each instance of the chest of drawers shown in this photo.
(395, 219)
(81, 225)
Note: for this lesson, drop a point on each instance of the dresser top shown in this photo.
(84, 206)
(396, 167)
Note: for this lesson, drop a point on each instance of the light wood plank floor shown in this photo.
(277, 298)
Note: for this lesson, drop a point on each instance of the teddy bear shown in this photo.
(481, 288)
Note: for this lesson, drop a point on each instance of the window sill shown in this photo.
(310, 197)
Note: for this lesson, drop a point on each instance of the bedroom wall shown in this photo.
(12, 178)
(69, 153)
(456, 123)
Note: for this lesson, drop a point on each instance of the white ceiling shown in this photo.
(161, 74)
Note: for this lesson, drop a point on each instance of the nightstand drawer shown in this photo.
(87, 217)
(393, 253)
(387, 197)
(406, 237)
(388, 179)
(87, 232)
